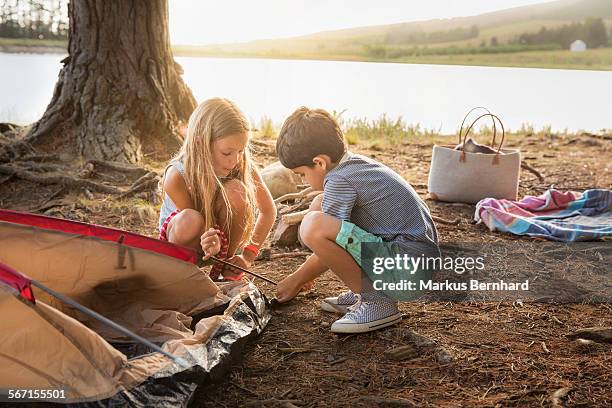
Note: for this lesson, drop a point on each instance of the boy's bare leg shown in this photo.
(318, 232)
(315, 205)
(314, 265)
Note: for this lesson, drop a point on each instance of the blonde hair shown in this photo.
(212, 120)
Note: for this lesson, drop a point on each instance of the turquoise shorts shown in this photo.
(393, 281)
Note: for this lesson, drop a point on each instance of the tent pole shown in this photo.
(110, 323)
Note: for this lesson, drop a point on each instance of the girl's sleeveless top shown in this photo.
(168, 205)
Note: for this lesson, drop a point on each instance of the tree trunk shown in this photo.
(119, 94)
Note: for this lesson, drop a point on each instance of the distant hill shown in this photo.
(504, 25)
(565, 10)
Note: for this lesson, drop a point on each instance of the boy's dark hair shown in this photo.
(307, 133)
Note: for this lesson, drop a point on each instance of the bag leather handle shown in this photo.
(465, 118)
(494, 118)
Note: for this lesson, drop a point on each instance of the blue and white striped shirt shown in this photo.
(378, 200)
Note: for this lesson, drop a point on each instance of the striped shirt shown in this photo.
(378, 200)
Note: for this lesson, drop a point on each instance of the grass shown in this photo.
(31, 42)
(386, 132)
(381, 132)
(266, 128)
(595, 59)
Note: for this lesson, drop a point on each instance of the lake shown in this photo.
(434, 96)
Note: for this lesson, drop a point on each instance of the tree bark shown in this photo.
(120, 93)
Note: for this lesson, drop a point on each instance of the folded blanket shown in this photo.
(555, 215)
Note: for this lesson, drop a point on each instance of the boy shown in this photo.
(363, 202)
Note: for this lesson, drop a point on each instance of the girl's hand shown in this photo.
(211, 243)
(238, 260)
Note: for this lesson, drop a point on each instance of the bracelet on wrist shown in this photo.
(251, 248)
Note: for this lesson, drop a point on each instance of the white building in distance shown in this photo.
(578, 46)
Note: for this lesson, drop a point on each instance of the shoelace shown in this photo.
(353, 308)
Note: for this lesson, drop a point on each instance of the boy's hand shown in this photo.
(211, 243)
(289, 287)
(308, 285)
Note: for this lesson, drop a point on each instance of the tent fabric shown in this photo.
(43, 348)
(55, 351)
(105, 233)
(49, 345)
(120, 282)
(17, 281)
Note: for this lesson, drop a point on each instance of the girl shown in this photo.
(211, 188)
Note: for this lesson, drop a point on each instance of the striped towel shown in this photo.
(559, 216)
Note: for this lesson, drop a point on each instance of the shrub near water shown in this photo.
(387, 132)
(383, 129)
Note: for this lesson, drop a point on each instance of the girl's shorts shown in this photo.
(164, 228)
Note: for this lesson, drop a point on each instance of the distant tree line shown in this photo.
(405, 35)
(34, 19)
(380, 51)
(592, 31)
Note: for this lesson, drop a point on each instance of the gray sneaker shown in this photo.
(339, 304)
(367, 315)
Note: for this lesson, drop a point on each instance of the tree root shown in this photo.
(6, 178)
(30, 171)
(38, 158)
(52, 201)
(66, 181)
(148, 182)
(119, 167)
(13, 151)
(41, 167)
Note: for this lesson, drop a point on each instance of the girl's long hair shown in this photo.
(212, 120)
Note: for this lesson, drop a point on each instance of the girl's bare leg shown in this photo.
(186, 228)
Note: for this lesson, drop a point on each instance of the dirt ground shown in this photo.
(503, 353)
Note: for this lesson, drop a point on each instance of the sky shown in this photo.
(229, 21)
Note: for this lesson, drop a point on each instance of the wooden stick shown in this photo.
(532, 170)
(290, 255)
(294, 218)
(243, 270)
(456, 221)
(598, 334)
(287, 197)
(311, 195)
(293, 196)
